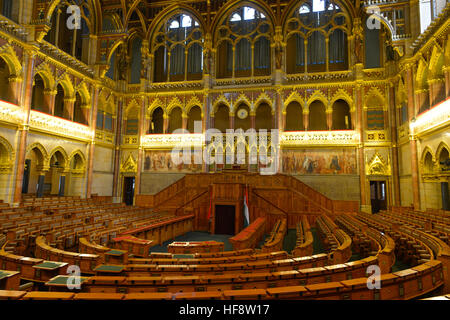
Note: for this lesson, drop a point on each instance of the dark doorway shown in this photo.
(224, 222)
(128, 190)
(378, 196)
(26, 176)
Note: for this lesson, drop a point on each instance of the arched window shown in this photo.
(37, 97)
(136, 61)
(263, 117)
(175, 119)
(178, 50)
(157, 121)
(312, 23)
(10, 9)
(5, 93)
(222, 118)
(317, 116)
(294, 117)
(74, 40)
(444, 160)
(428, 163)
(59, 102)
(79, 110)
(195, 114)
(248, 32)
(341, 116)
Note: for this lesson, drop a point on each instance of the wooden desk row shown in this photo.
(163, 231)
(250, 236)
(405, 284)
(165, 255)
(275, 241)
(87, 262)
(304, 244)
(230, 258)
(195, 247)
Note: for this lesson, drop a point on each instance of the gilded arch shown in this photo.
(80, 169)
(6, 157)
(43, 156)
(9, 55)
(64, 155)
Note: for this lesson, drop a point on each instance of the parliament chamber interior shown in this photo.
(224, 150)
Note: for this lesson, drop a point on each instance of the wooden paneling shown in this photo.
(279, 194)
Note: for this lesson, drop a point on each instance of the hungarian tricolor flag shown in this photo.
(246, 215)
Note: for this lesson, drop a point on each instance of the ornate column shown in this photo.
(165, 123)
(93, 127)
(140, 158)
(447, 80)
(252, 119)
(15, 86)
(27, 89)
(412, 140)
(329, 113)
(184, 119)
(394, 146)
(117, 147)
(49, 98)
(68, 108)
(361, 154)
(231, 120)
(306, 117)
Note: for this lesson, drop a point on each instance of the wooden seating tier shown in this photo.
(400, 285)
(304, 243)
(195, 247)
(250, 236)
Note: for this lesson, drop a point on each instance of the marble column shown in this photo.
(93, 127)
(27, 89)
(117, 148)
(413, 142)
(394, 146)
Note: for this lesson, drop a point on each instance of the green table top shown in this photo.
(115, 252)
(61, 280)
(50, 265)
(5, 274)
(183, 256)
(109, 268)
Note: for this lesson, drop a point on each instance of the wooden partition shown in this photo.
(283, 193)
(250, 236)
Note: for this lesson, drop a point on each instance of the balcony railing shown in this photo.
(11, 113)
(58, 126)
(322, 138)
(169, 141)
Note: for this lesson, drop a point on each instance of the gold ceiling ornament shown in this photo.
(378, 166)
(129, 166)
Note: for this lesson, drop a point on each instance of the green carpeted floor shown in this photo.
(317, 244)
(290, 240)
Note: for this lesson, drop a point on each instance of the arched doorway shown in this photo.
(55, 178)
(294, 117)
